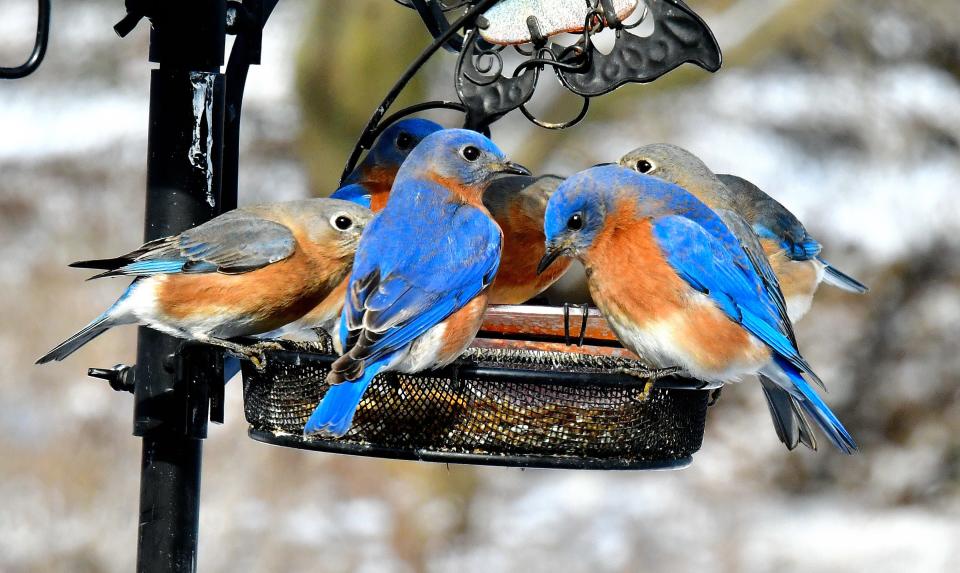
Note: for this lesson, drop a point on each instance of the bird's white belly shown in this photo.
(142, 303)
(660, 344)
(799, 304)
(304, 329)
(424, 352)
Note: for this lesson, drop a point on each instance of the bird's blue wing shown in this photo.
(408, 279)
(355, 193)
(798, 245)
(753, 250)
(728, 279)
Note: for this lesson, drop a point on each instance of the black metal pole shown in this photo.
(183, 190)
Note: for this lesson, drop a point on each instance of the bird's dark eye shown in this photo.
(644, 166)
(470, 153)
(343, 222)
(404, 141)
(575, 222)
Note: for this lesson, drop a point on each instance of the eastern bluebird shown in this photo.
(245, 272)
(517, 203)
(791, 252)
(677, 288)
(369, 183)
(418, 289)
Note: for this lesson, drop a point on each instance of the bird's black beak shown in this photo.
(552, 254)
(513, 168)
(603, 164)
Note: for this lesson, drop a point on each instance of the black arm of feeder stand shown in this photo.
(172, 383)
(366, 137)
(39, 46)
(431, 12)
(251, 16)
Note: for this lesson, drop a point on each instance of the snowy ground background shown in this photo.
(853, 123)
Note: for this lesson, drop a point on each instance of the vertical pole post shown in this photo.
(183, 189)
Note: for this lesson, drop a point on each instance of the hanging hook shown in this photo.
(39, 46)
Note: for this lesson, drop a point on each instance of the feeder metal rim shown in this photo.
(288, 440)
(470, 370)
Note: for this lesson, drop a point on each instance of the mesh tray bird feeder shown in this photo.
(541, 386)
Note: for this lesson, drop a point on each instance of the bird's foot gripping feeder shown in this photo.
(535, 399)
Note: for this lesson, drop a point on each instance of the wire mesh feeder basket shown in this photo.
(520, 396)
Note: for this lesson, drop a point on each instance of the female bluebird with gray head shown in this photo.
(248, 271)
(792, 253)
(368, 185)
(518, 203)
(676, 286)
(418, 289)
(370, 182)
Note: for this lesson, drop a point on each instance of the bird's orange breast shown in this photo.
(797, 278)
(378, 180)
(331, 305)
(461, 327)
(268, 297)
(523, 247)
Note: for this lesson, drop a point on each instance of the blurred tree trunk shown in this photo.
(352, 52)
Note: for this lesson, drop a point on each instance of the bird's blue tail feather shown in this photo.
(834, 277)
(231, 367)
(334, 415)
(817, 409)
(72, 344)
(97, 326)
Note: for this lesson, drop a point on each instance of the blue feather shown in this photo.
(727, 277)
(355, 193)
(154, 266)
(816, 408)
(334, 415)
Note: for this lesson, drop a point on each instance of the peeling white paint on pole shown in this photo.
(201, 153)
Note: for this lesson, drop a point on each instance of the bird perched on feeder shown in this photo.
(419, 284)
(244, 272)
(793, 254)
(518, 203)
(675, 285)
(369, 183)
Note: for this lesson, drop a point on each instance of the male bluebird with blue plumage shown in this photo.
(677, 287)
(792, 253)
(418, 289)
(516, 202)
(370, 182)
(367, 185)
(248, 271)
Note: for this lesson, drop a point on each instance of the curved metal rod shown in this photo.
(562, 125)
(39, 46)
(364, 141)
(433, 14)
(435, 104)
(237, 67)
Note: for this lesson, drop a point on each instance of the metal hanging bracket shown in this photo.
(488, 91)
